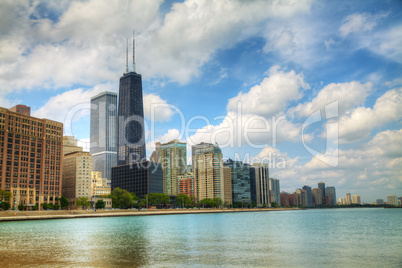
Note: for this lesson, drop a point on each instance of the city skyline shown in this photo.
(282, 61)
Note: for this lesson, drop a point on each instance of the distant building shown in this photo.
(342, 201)
(228, 191)
(103, 133)
(77, 176)
(288, 199)
(241, 191)
(21, 109)
(274, 191)
(260, 173)
(173, 158)
(356, 199)
(379, 202)
(186, 184)
(392, 200)
(31, 162)
(99, 185)
(331, 194)
(141, 178)
(307, 198)
(317, 196)
(70, 145)
(208, 171)
(348, 199)
(299, 197)
(321, 186)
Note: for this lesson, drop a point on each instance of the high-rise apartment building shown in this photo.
(392, 200)
(331, 195)
(131, 136)
(307, 198)
(379, 201)
(241, 191)
(260, 173)
(103, 133)
(228, 191)
(299, 197)
(274, 190)
(317, 196)
(348, 199)
(30, 157)
(208, 171)
(356, 199)
(173, 158)
(186, 184)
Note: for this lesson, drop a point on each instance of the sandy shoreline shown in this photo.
(71, 214)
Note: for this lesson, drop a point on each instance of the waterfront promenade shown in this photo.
(71, 214)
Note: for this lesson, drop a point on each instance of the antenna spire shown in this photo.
(134, 51)
(126, 55)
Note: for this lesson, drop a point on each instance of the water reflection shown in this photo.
(309, 238)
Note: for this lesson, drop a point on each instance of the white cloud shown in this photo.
(355, 23)
(272, 95)
(373, 171)
(348, 95)
(156, 108)
(359, 123)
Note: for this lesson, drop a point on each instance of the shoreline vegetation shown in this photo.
(73, 214)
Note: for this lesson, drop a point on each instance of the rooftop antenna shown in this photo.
(134, 51)
(126, 55)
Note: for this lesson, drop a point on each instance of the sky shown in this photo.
(314, 88)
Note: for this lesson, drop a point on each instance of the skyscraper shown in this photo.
(356, 199)
(274, 190)
(172, 157)
(307, 196)
(131, 137)
(240, 181)
(260, 173)
(317, 196)
(208, 171)
(331, 194)
(392, 200)
(321, 186)
(103, 142)
(348, 199)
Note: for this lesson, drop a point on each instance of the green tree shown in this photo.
(64, 202)
(5, 195)
(217, 202)
(182, 200)
(274, 205)
(5, 205)
(100, 204)
(21, 207)
(56, 206)
(121, 198)
(135, 199)
(82, 202)
(158, 199)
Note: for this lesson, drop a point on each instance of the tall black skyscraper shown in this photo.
(131, 120)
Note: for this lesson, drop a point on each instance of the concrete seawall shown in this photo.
(72, 214)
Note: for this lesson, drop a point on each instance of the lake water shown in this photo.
(363, 237)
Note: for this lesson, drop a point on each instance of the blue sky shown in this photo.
(289, 62)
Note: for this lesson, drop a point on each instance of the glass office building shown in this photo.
(103, 133)
(141, 178)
